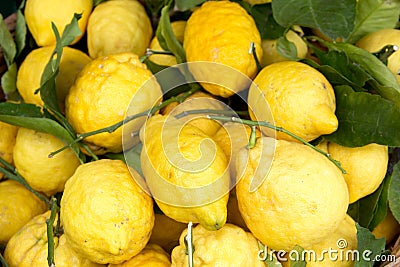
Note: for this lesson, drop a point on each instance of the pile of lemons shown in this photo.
(280, 193)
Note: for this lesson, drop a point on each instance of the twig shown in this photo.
(189, 244)
(50, 232)
(3, 261)
(252, 50)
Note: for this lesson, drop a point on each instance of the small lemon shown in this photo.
(102, 94)
(28, 247)
(271, 54)
(178, 28)
(39, 15)
(31, 159)
(151, 256)
(375, 41)
(301, 198)
(221, 32)
(300, 99)
(17, 206)
(228, 246)
(197, 101)
(186, 172)
(31, 70)
(107, 217)
(167, 239)
(7, 142)
(366, 167)
(118, 26)
(389, 228)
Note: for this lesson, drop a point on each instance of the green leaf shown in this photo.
(9, 80)
(7, 43)
(334, 18)
(132, 158)
(388, 87)
(267, 256)
(20, 110)
(369, 211)
(374, 15)
(20, 32)
(184, 5)
(297, 260)
(97, 2)
(368, 246)
(365, 118)
(166, 37)
(394, 192)
(286, 48)
(71, 31)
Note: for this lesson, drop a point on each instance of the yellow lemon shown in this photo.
(7, 142)
(186, 172)
(178, 28)
(17, 206)
(151, 256)
(300, 200)
(271, 54)
(365, 166)
(102, 94)
(166, 232)
(389, 228)
(107, 217)
(197, 101)
(375, 41)
(300, 100)
(40, 14)
(228, 246)
(31, 159)
(221, 32)
(28, 247)
(118, 26)
(31, 70)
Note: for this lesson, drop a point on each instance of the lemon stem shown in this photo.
(189, 244)
(11, 173)
(253, 137)
(276, 128)
(252, 50)
(150, 52)
(3, 261)
(50, 232)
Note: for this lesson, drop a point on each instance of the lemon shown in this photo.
(301, 198)
(102, 94)
(107, 217)
(300, 99)
(366, 167)
(7, 142)
(375, 41)
(228, 246)
(186, 172)
(197, 101)
(151, 256)
(167, 239)
(17, 206)
(28, 247)
(31, 159)
(178, 28)
(118, 26)
(39, 15)
(271, 54)
(31, 70)
(221, 32)
(389, 228)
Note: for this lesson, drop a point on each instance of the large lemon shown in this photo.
(118, 26)
(107, 217)
(40, 14)
(221, 32)
(300, 200)
(300, 100)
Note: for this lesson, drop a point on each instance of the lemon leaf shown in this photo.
(365, 118)
(7, 43)
(368, 247)
(394, 192)
(20, 32)
(374, 15)
(371, 210)
(132, 158)
(286, 48)
(184, 5)
(8, 81)
(334, 18)
(296, 257)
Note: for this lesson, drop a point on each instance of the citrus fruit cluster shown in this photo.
(111, 168)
